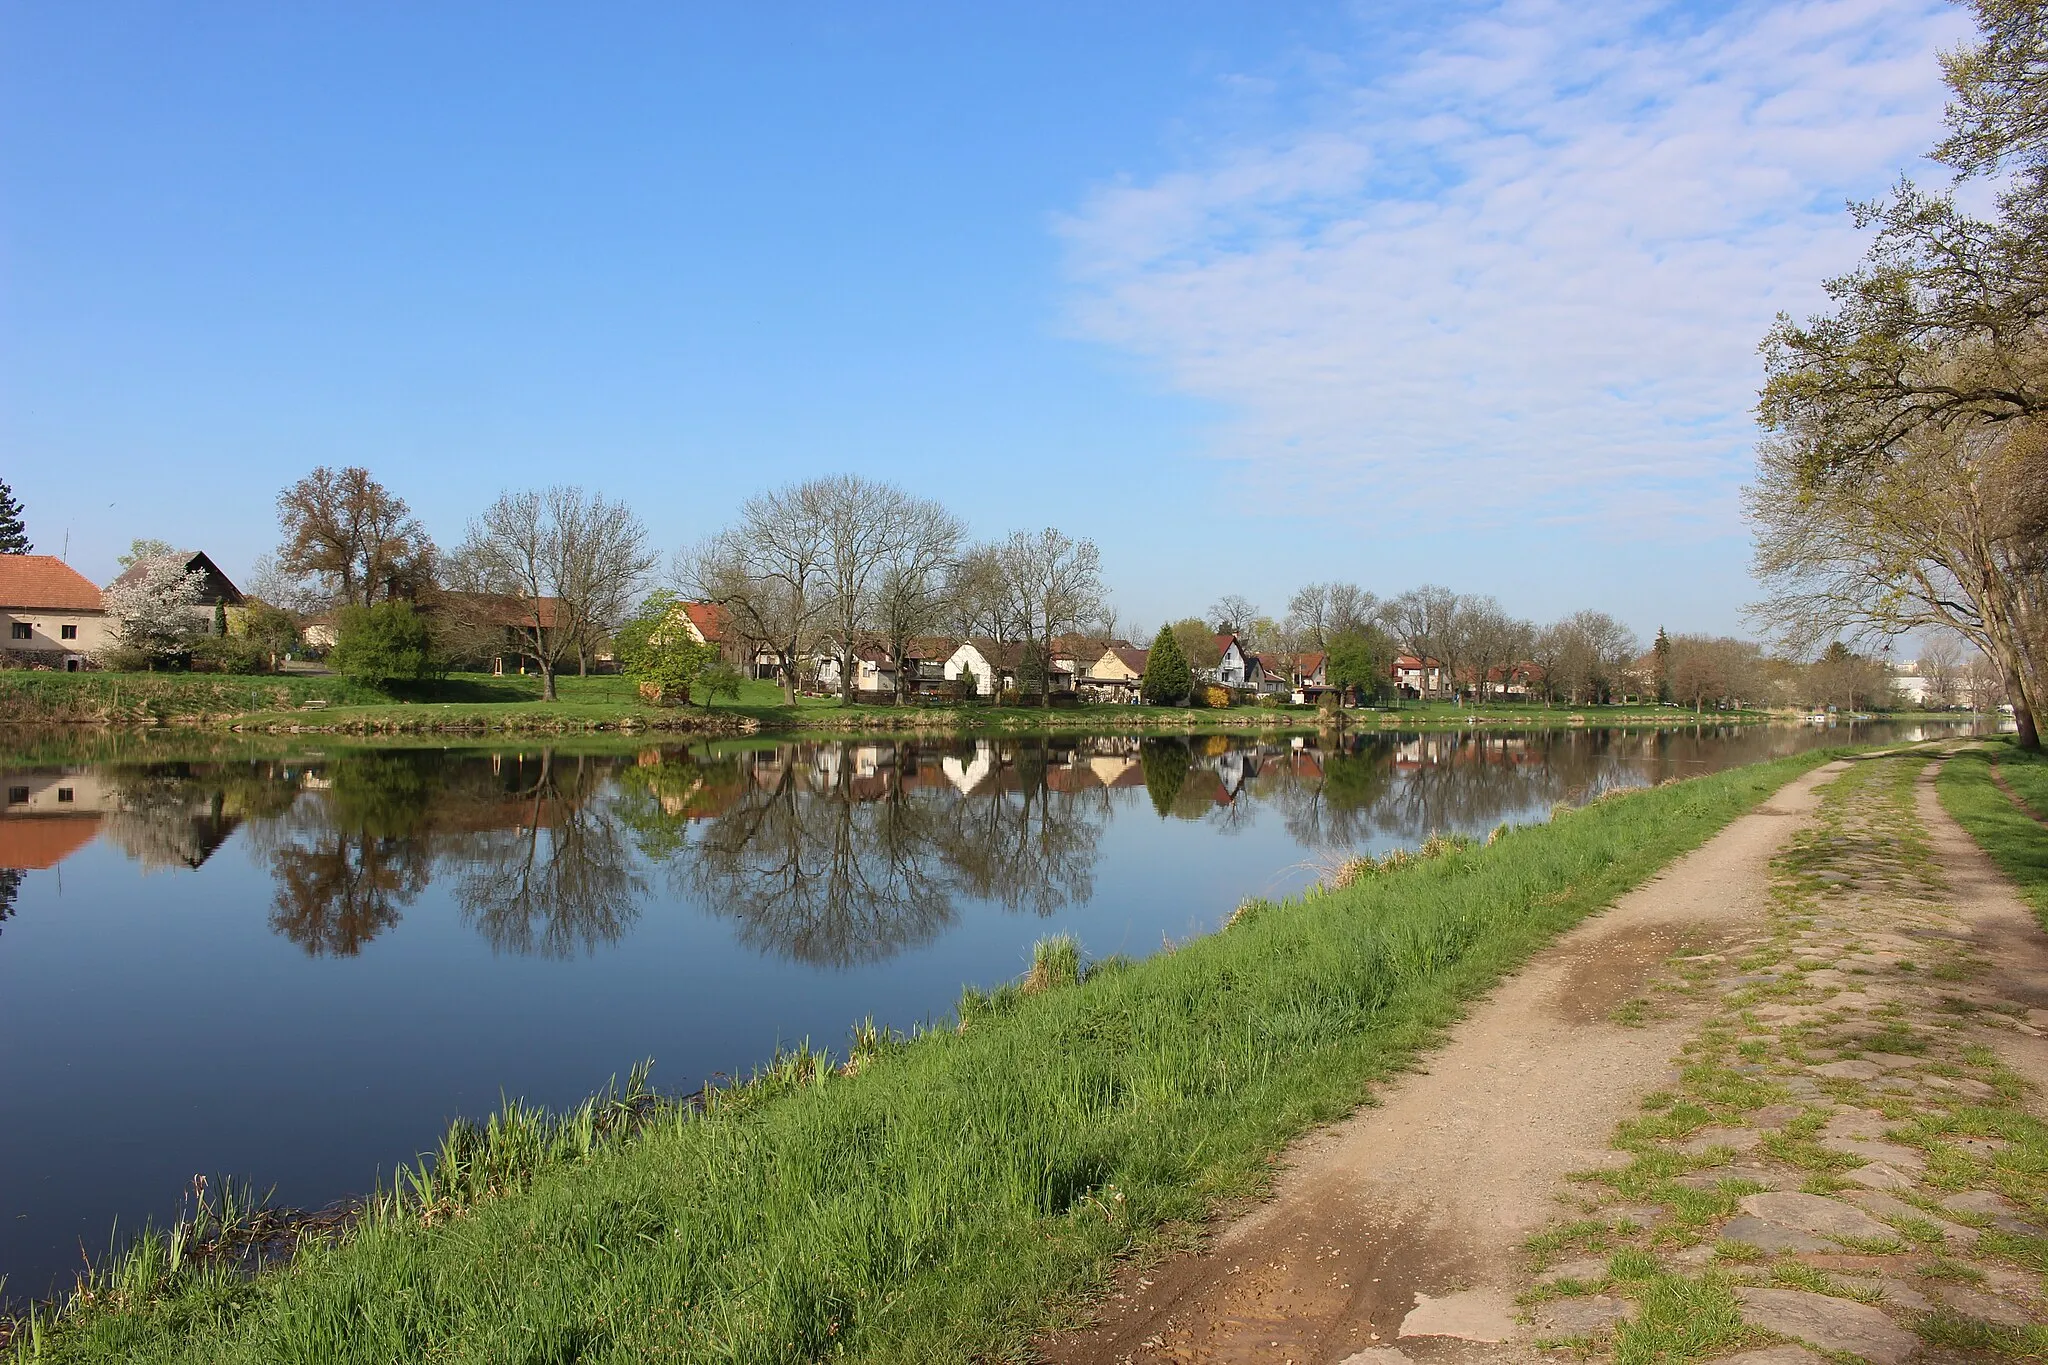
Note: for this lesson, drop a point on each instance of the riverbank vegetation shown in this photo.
(1999, 793)
(942, 1197)
(468, 703)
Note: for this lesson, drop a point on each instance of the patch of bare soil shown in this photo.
(1414, 1210)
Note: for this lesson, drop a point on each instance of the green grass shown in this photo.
(945, 1197)
(475, 701)
(2017, 843)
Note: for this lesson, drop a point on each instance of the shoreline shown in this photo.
(1534, 882)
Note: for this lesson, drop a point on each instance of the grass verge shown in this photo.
(2014, 840)
(476, 701)
(945, 1197)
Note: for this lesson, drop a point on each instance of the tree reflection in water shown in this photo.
(825, 853)
(349, 855)
(560, 877)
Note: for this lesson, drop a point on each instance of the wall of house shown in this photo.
(46, 631)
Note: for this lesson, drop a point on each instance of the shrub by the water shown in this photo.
(382, 644)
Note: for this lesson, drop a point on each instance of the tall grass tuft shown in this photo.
(1055, 962)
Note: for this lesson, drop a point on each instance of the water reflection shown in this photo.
(832, 854)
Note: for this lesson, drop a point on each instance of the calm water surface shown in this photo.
(298, 970)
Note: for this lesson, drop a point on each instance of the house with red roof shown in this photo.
(51, 612)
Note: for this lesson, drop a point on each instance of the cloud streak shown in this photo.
(1521, 275)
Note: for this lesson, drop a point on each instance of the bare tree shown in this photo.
(1320, 612)
(1712, 668)
(768, 570)
(1494, 640)
(602, 563)
(1054, 583)
(1233, 614)
(1940, 668)
(871, 533)
(1429, 623)
(911, 598)
(977, 599)
(1949, 533)
(353, 537)
(556, 568)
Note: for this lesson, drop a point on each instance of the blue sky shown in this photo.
(1249, 294)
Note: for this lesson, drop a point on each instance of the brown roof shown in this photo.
(507, 609)
(41, 842)
(1307, 664)
(45, 583)
(1131, 656)
(194, 561)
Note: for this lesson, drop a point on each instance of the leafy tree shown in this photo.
(1197, 643)
(1361, 661)
(721, 680)
(1168, 679)
(13, 531)
(656, 651)
(1165, 763)
(382, 644)
(270, 627)
(354, 536)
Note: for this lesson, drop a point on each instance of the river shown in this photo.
(296, 969)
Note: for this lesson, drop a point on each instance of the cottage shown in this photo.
(1234, 668)
(52, 612)
(215, 588)
(993, 663)
(1417, 677)
(1117, 674)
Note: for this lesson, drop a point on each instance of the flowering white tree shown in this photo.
(152, 611)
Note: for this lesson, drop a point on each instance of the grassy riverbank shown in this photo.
(469, 703)
(1970, 786)
(943, 1198)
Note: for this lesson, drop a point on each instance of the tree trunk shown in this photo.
(547, 679)
(582, 661)
(788, 661)
(2029, 736)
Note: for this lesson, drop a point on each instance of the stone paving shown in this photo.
(1845, 1167)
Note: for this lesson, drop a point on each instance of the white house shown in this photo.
(993, 664)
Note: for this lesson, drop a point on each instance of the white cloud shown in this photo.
(1526, 271)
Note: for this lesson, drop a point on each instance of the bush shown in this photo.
(383, 644)
(230, 654)
(659, 654)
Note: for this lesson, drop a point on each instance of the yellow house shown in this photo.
(1117, 673)
(51, 613)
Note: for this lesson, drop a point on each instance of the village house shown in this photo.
(993, 664)
(1116, 674)
(215, 588)
(1415, 677)
(52, 613)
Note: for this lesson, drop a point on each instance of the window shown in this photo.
(17, 796)
(65, 794)
(67, 632)
(22, 630)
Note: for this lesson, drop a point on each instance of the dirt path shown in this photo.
(1414, 1212)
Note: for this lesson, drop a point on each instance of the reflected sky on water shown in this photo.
(298, 969)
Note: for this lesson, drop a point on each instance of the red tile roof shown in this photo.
(710, 619)
(45, 583)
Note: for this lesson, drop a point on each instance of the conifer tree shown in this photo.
(13, 534)
(1662, 650)
(1168, 679)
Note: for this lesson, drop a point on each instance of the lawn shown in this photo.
(941, 1198)
(478, 701)
(2014, 839)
